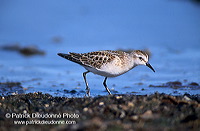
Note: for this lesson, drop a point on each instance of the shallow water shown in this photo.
(169, 29)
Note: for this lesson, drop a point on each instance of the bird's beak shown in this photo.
(147, 64)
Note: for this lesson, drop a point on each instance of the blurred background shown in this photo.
(33, 32)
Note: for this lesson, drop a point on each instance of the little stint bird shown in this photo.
(108, 63)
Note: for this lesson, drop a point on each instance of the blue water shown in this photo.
(169, 29)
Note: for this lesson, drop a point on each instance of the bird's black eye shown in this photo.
(140, 58)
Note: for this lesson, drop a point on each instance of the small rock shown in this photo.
(174, 83)
(130, 104)
(25, 111)
(46, 105)
(147, 115)
(134, 117)
(122, 115)
(194, 84)
(27, 50)
(31, 50)
(73, 91)
(101, 103)
(85, 109)
(187, 98)
(118, 97)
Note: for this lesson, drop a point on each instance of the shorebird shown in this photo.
(108, 63)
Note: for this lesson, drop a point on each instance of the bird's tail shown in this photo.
(74, 57)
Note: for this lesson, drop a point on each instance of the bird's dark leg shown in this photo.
(104, 83)
(87, 87)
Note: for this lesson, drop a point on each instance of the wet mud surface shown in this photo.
(117, 112)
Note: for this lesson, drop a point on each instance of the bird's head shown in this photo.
(141, 58)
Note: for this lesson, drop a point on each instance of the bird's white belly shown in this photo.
(102, 73)
(109, 70)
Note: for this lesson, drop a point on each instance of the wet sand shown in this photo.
(117, 112)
